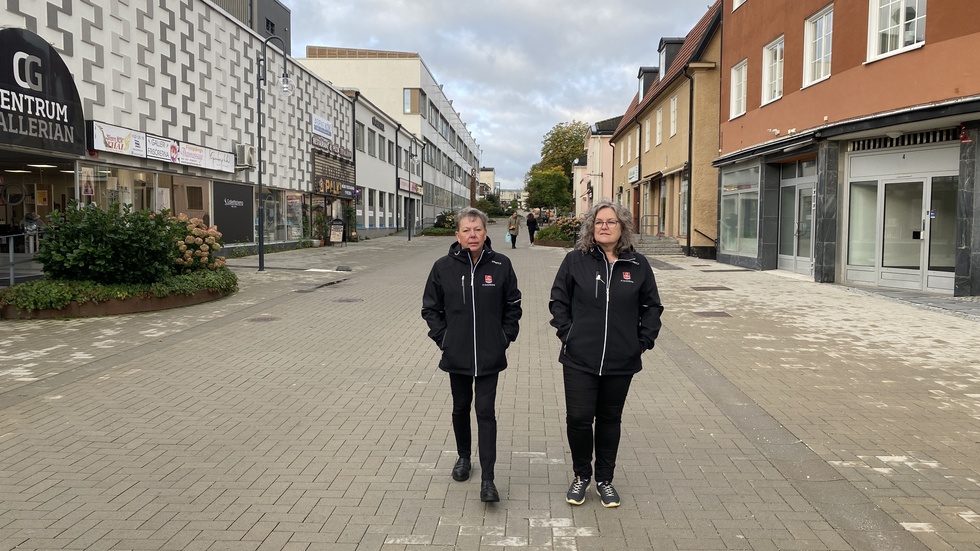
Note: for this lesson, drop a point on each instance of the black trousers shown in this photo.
(590, 398)
(486, 421)
(513, 240)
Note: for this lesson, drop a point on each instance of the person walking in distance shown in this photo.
(472, 306)
(532, 227)
(606, 308)
(514, 227)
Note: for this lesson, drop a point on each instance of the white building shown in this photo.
(400, 84)
(389, 184)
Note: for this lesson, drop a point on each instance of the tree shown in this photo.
(562, 145)
(548, 188)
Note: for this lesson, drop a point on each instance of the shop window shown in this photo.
(740, 212)
(862, 217)
(195, 198)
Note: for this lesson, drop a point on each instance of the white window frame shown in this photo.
(646, 135)
(823, 23)
(673, 115)
(877, 27)
(736, 4)
(637, 142)
(629, 146)
(622, 151)
(739, 92)
(660, 125)
(773, 62)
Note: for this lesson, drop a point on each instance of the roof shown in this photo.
(694, 45)
(607, 126)
(329, 52)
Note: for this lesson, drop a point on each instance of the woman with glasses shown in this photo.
(606, 309)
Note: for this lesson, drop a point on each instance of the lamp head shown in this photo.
(285, 86)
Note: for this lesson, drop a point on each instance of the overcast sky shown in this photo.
(513, 68)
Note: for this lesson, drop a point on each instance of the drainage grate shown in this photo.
(711, 288)
(263, 318)
(712, 314)
(349, 300)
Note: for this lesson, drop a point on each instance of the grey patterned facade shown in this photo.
(186, 71)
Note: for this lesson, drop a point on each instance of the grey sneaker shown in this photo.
(608, 494)
(576, 492)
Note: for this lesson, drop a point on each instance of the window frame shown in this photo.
(646, 135)
(660, 126)
(738, 101)
(809, 50)
(673, 115)
(769, 64)
(875, 28)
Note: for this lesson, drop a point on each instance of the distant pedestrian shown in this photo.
(514, 228)
(472, 306)
(602, 337)
(532, 227)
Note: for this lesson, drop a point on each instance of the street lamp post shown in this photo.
(285, 88)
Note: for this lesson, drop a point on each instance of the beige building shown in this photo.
(488, 182)
(402, 86)
(668, 137)
(593, 173)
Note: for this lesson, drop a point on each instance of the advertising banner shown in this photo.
(39, 104)
(234, 212)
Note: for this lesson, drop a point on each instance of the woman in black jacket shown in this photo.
(532, 227)
(606, 308)
(473, 308)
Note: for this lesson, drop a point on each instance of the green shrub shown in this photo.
(446, 219)
(560, 229)
(115, 246)
(197, 245)
(439, 231)
(43, 294)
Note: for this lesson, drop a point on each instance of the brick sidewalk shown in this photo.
(306, 412)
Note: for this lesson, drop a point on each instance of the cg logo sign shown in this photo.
(27, 71)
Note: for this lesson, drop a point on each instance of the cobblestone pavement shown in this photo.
(306, 412)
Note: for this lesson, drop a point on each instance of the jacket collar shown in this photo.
(629, 255)
(459, 253)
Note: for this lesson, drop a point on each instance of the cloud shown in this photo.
(514, 69)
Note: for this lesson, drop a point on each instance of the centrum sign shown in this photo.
(39, 104)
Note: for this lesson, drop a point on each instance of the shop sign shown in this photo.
(633, 174)
(337, 149)
(191, 155)
(377, 124)
(322, 127)
(411, 187)
(331, 186)
(162, 149)
(39, 104)
(220, 160)
(115, 139)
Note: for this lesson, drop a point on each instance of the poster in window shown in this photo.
(42, 198)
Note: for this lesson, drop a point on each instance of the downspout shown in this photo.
(690, 155)
(398, 155)
(353, 132)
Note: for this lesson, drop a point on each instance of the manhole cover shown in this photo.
(263, 318)
(349, 300)
(713, 314)
(712, 288)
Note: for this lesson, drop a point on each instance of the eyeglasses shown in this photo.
(606, 223)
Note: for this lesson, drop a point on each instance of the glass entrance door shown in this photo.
(796, 229)
(902, 235)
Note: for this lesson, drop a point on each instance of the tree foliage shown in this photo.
(561, 145)
(548, 188)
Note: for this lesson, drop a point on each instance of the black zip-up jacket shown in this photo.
(473, 310)
(607, 314)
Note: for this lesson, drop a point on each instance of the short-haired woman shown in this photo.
(472, 306)
(606, 309)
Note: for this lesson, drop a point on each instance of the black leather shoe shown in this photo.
(488, 492)
(461, 471)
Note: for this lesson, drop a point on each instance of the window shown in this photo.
(359, 136)
(381, 148)
(740, 212)
(646, 134)
(629, 146)
(195, 198)
(637, 142)
(736, 4)
(772, 71)
(673, 115)
(621, 151)
(407, 101)
(372, 142)
(739, 75)
(895, 26)
(663, 64)
(660, 125)
(391, 152)
(270, 27)
(817, 46)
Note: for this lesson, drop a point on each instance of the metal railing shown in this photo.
(31, 241)
(645, 225)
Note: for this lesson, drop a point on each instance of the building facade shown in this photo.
(266, 17)
(668, 137)
(595, 182)
(848, 141)
(165, 117)
(400, 84)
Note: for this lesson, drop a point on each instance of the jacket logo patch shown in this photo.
(626, 275)
(488, 278)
